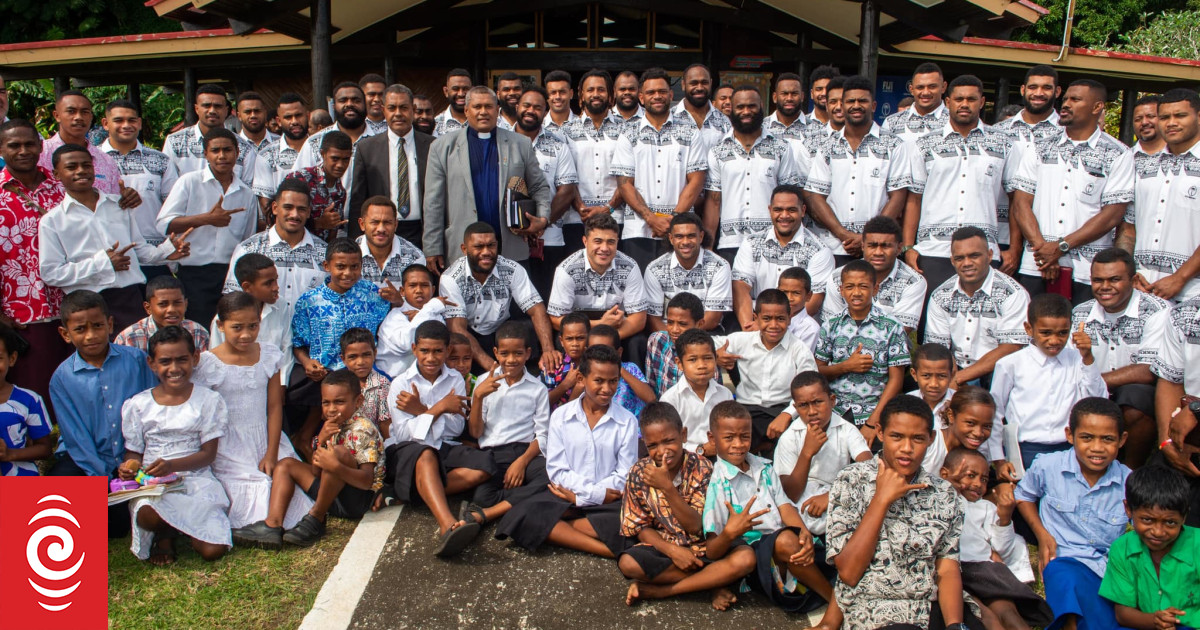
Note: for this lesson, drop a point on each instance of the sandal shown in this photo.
(472, 513)
(457, 539)
(165, 556)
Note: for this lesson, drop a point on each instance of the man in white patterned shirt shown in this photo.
(928, 112)
(593, 139)
(743, 168)
(900, 293)
(458, 83)
(1162, 225)
(958, 173)
(692, 269)
(186, 146)
(373, 86)
(252, 114)
(508, 92)
(1071, 193)
(859, 172)
(788, 120)
(660, 166)
(600, 281)
(1145, 126)
(765, 255)
(558, 100)
(349, 114)
(276, 160)
(696, 108)
(385, 254)
(818, 93)
(625, 88)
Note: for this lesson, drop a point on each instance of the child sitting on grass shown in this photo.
(1153, 576)
(661, 508)
(346, 472)
(24, 426)
(634, 392)
(458, 358)
(174, 427)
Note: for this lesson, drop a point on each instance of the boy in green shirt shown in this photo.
(1153, 575)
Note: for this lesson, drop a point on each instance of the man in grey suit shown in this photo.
(377, 167)
(466, 180)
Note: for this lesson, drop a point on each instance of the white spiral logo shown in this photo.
(59, 551)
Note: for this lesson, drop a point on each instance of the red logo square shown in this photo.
(54, 552)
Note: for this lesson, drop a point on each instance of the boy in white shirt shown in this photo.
(933, 369)
(1036, 386)
(695, 395)
(767, 359)
(421, 462)
(395, 348)
(814, 449)
(797, 285)
(591, 444)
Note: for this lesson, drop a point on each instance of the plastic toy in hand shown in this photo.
(146, 480)
(119, 485)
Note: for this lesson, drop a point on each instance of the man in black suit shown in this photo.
(378, 169)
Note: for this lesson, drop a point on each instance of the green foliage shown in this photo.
(41, 20)
(1098, 23)
(34, 101)
(1171, 34)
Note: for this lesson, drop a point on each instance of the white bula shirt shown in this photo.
(797, 138)
(1070, 183)
(196, 193)
(745, 180)
(402, 254)
(960, 179)
(186, 149)
(694, 410)
(1036, 392)
(762, 258)
(445, 123)
(714, 126)
(414, 179)
(579, 287)
(515, 414)
(845, 443)
(589, 461)
(709, 279)
(1133, 337)
(910, 125)
(901, 295)
(856, 184)
(75, 242)
(486, 306)
(424, 428)
(274, 162)
(659, 162)
(975, 325)
(1181, 347)
(767, 374)
(299, 267)
(1166, 213)
(554, 158)
(152, 174)
(592, 150)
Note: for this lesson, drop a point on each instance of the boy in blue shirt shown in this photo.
(1153, 575)
(87, 391)
(1073, 502)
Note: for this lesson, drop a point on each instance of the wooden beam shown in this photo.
(911, 17)
(189, 95)
(322, 58)
(759, 15)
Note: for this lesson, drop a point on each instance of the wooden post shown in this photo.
(189, 95)
(868, 41)
(322, 59)
(389, 69)
(133, 92)
(1128, 98)
(1001, 96)
(61, 84)
(804, 67)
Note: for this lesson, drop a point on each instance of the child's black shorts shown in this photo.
(351, 502)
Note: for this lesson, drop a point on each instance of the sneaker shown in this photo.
(259, 535)
(306, 533)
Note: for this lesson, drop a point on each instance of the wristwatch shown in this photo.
(1064, 247)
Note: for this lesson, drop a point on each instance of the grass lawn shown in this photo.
(248, 588)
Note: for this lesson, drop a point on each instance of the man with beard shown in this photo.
(1145, 123)
(558, 95)
(788, 120)
(558, 166)
(252, 113)
(696, 108)
(743, 168)
(423, 118)
(508, 90)
(625, 89)
(819, 134)
(593, 138)
(660, 165)
(765, 255)
(483, 286)
(73, 113)
(928, 113)
(186, 146)
(468, 175)
(860, 172)
(143, 169)
(1161, 227)
(373, 86)
(958, 173)
(349, 112)
(1036, 120)
(722, 99)
(818, 83)
(277, 159)
(1071, 193)
(28, 191)
(380, 171)
(458, 83)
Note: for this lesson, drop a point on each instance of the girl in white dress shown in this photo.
(246, 374)
(174, 428)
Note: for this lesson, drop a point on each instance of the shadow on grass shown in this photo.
(248, 588)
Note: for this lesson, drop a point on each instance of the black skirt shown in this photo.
(654, 562)
(992, 580)
(401, 461)
(529, 523)
(492, 491)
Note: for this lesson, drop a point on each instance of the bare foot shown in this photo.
(631, 596)
(163, 552)
(723, 598)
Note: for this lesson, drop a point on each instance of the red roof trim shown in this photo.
(1085, 52)
(1025, 3)
(121, 39)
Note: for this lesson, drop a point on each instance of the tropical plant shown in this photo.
(34, 101)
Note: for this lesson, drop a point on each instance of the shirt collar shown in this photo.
(1110, 477)
(641, 112)
(801, 119)
(874, 131)
(1132, 309)
(69, 201)
(681, 110)
(727, 471)
(414, 372)
(273, 238)
(107, 146)
(588, 264)
(1090, 142)
(575, 412)
(938, 111)
(79, 365)
(1019, 118)
(784, 343)
(6, 176)
(985, 288)
(207, 176)
(947, 129)
(392, 137)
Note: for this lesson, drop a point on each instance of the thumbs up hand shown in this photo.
(129, 197)
(859, 361)
(1084, 344)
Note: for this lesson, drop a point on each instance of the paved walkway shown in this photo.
(495, 585)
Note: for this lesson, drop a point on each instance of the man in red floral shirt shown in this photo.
(27, 192)
(327, 194)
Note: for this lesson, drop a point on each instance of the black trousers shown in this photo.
(202, 287)
(412, 231)
(644, 250)
(125, 305)
(1035, 285)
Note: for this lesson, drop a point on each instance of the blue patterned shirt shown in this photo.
(23, 419)
(881, 337)
(625, 396)
(322, 315)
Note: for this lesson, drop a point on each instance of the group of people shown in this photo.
(540, 310)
